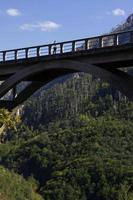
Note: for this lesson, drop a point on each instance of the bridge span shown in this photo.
(104, 57)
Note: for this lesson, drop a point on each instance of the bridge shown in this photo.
(104, 56)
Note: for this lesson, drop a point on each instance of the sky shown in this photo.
(36, 22)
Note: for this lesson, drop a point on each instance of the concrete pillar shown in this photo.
(49, 49)
(15, 54)
(86, 44)
(73, 46)
(61, 48)
(38, 51)
(131, 37)
(4, 55)
(14, 92)
(26, 53)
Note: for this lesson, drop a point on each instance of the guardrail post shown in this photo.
(15, 54)
(4, 55)
(73, 46)
(38, 51)
(26, 52)
(61, 48)
(100, 42)
(86, 44)
(115, 39)
(131, 36)
(49, 49)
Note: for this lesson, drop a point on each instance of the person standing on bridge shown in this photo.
(54, 47)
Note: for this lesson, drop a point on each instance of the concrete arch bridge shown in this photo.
(103, 56)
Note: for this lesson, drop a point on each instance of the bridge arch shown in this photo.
(52, 70)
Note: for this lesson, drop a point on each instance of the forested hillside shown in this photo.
(76, 141)
(83, 158)
(81, 94)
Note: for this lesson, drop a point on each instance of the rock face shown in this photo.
(130, 19)
(124, 38)
(127, 25)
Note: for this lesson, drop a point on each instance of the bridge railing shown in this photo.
(114, 39)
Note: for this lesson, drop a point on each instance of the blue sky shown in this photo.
(34, 22)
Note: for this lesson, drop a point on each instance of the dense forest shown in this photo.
(73, 141)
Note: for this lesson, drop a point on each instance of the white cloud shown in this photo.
(48, 25)
(13, 12)
(43, 26)
(118, 12)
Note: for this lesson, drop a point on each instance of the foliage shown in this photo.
(88, 158)
(8, 121)
(79, 95)
(14, 187)
(75, 142)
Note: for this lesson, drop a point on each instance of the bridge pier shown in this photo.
(14, 92)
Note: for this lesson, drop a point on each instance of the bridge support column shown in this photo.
(14, 92)
(131, 37)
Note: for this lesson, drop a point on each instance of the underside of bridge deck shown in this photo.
(40, 75)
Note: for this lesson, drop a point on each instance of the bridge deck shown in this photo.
(68, 48)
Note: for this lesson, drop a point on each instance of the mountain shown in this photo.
(126, 26)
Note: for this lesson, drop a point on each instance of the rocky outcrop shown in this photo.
(126, 26)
